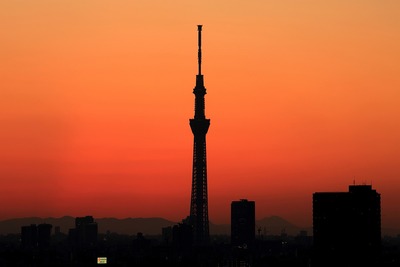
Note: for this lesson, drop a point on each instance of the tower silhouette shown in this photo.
(199, 125)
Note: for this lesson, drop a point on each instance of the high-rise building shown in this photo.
(243, 223)
(347, 227)
(44, 235)
(29, 236)
(85, 232)
(199, 125)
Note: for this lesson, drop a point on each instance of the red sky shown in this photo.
(96, 96)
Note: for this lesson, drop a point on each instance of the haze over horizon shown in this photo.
(96, 96)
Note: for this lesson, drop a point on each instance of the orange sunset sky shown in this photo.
(96, 96)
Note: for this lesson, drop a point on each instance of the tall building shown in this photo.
(199, 125)
(29, 236)
(243, 223)
(347, 227)
(85, 232)
(44, 235)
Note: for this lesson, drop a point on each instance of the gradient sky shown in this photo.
(96, 96)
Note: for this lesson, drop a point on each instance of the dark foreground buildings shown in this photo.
(85, 232)
(33, 236)
(347, 227)
(243, 223)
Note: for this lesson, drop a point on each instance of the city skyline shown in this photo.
(95, 97)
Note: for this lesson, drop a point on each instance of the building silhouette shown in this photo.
(57, 230)
(29, 236)
(44, 235)
(243, 224)
(199, 125)
(182, 234)
(33, 236)
(347, 227)
(85, 232)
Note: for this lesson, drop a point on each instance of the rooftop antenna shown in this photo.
(199, 28)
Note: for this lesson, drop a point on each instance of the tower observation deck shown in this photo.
(199, 125)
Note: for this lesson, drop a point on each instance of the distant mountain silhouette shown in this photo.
(13, 226)
(128, 226)
(273, 225)
(220, 229)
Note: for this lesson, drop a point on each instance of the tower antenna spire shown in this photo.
(199, 28)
